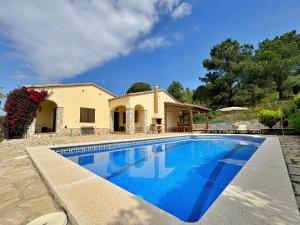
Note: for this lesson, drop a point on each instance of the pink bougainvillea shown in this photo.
(37, 96)
(20, 107)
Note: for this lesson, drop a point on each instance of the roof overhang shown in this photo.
(185, 106)
(68, 85)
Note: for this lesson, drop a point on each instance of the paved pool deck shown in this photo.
(261, 193)
(24, 195)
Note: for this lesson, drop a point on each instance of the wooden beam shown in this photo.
(191, 120)
(206, 120)
(166, 120)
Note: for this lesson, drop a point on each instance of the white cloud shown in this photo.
(21, 76)
(184, 9)
(155, 42)
(62, 38)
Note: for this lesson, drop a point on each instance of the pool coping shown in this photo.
(261, 193)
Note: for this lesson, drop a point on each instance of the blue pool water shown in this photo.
(182, 176)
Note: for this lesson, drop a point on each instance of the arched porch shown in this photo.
(45, 120)
(129, 120)
(118, 117)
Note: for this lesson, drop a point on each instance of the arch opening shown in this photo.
(139, 119)
(46, 117)
(119, 119)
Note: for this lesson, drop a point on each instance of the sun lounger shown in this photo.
(242, 129)
(255, 129)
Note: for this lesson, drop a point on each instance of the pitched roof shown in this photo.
(69, 85)
(143, 93)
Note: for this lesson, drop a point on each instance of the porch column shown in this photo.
(130, 121)
(59, 119)
(112, 122)
(31, 128)
(206, 120)
(191, 120)
(144, 121)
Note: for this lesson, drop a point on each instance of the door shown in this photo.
(116, 121)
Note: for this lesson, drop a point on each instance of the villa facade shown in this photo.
(86, 108)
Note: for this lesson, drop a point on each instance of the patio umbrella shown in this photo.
(233, 108)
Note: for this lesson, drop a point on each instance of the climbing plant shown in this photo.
(21, 107)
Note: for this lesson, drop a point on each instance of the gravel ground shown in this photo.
(291, 151)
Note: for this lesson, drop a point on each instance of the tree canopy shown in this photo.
(238, 74)
(279, 58)
(175, 89)
(184, 95)
(224, 70)
(139, 87)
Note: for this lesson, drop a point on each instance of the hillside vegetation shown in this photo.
(266, 79)
(270, 101)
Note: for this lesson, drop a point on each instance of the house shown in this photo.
(86, 108)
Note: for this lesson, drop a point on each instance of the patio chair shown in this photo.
(243, 128)
(180, 127)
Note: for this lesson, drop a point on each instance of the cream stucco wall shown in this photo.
(71, 98)
(172, 115)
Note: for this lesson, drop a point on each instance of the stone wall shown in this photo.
(75, 132)
(130, 121)
(31, 128)
(59, 119)
(145, 119)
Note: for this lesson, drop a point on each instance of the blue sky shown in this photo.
(157, 42)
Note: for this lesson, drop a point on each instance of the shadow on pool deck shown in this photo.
(240, 205)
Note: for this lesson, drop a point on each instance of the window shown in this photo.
(87, 115)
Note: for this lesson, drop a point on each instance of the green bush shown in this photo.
(297, 101)
(295, 121)
(269, 117)
(288, 108)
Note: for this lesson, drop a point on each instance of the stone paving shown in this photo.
(291, 151)
(23, 194)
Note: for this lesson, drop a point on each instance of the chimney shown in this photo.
(155, 91)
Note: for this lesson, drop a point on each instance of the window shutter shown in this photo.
(87, 115)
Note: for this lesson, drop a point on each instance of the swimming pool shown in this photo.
(181, 175)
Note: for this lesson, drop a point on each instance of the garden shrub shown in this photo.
(20, 107)
(295, 121)
(288, 108)
(269, 117)
(297, 101)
